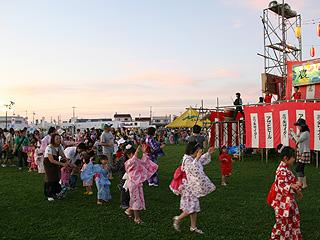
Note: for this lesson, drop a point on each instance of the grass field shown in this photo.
(237, 211)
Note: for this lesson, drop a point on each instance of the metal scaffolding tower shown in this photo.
(280, 41)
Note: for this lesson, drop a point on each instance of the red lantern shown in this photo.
(318, 30)
(312, 51)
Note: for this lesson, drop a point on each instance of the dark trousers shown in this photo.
(22, 159)
(238, 110)
(154, 179)
(124, 196)
(51, 189)
(300, 169)
(73, 180)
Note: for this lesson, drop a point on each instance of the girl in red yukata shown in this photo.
(226, 165)
(282, 198)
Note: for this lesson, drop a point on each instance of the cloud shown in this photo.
(237, 24)
(162, 78)
(225, 73)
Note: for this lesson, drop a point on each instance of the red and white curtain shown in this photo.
(268, 125)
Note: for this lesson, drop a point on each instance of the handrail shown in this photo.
(256, 104)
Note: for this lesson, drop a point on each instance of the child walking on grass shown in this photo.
(137, 172)
(282, 198)
(196, 185)
(100, 172)
(226, 165)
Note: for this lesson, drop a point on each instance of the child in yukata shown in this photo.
(282, 198)
(75, 170)
(196, 185)
(86, 159)
(137, 172)
(65, 178)
(30, 150)
(119, 168)
(100, 172)
(226, 165)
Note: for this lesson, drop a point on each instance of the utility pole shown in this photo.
(33, 114)
(150, 115)
(73, 112)
(8, 106)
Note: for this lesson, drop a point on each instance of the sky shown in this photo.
(124, 56)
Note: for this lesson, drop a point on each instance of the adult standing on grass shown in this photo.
(303, 154)
(44, 143)
(153, 150)
(197, 137)
(107, 143)
(9, 143)
(21, 141)
(54, 150)
(73, 153)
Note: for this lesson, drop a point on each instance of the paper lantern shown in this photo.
(298, 32)
(312, 51)
(318, 30)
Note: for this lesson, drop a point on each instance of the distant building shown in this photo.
(142, 119)
(122, 117)
(84, 123)
(161, 121)
(15, 122)
(82, 120)
(136, 124)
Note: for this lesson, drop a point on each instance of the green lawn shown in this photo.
(237, 211)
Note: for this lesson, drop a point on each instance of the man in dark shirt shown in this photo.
(197, 137)
(238, 104)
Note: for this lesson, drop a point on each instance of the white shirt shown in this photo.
(49, 150)
(71, 153)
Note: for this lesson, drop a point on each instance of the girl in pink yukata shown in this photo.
(196, 185)
(137, 172)
(65, 178)
(282, 200)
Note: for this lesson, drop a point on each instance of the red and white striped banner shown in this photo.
(268, 125)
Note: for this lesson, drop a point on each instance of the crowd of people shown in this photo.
(97, 156)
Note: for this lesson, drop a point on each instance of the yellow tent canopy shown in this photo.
(188, 119)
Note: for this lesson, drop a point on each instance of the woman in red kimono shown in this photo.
(282, 198)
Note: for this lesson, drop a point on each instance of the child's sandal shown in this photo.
(139, 222)
(176, 224)
(129, 215)
(196, 230)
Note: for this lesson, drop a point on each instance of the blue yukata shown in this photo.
(101, 177)
(153, 152)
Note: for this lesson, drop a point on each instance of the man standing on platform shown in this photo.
(238, 104)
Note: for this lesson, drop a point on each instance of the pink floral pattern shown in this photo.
(138, 171)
